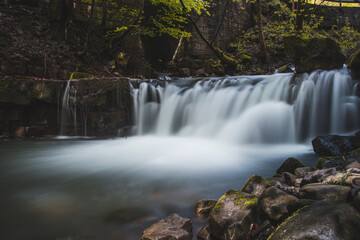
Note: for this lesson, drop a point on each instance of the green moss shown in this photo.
(214, 67)
(218, 206)
(321, 160)
(285, 222)
(256, 179)
(251, 203)
(78, 75)
(242, 200)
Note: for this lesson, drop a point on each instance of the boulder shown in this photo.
(172, 227)
(290, 179)
(277, 181)
(289, 166)
(319, 191)
(255, 185)
(354, 64)
(317, 176)
(204, 233)
(204, 207)
(324, 220)
(274, 203)
(233, 215)
(312, 54)
(334, 145)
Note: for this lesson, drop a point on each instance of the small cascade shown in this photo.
(65, 109)
(68, 111)
(280, 108)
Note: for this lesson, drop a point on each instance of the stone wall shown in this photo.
(337, 16)
(94, 107)
(237, 19)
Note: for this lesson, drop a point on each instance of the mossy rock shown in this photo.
(80, 75)
(326, 219)
(290, 165)
(312, 54)
(255, 185)
(233, 215)
(285, 69)
(321, 160)
(274, 203)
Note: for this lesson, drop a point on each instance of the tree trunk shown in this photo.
(299, 16)
(89, 30)
(105, 7)
(176, 53)
(263, 53)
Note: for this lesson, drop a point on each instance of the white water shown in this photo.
(250, 109)
(65, 109)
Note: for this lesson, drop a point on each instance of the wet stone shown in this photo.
(290, 165)
(173, 227)
(233, 215)
(204, 233)
(317, 176)
(255, 185)
(319, 191)
(204, 207)
(326, 220)
(274, 203)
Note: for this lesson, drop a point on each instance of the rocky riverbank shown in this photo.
(298, 202)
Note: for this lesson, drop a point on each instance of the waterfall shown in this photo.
(68, 111)
(65, 109)
(249, 109)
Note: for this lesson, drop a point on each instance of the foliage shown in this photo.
(282, 23)
(347, 36)
(167, 17)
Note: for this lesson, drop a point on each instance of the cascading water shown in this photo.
(281, 108)
(65, 109)
(68, 112)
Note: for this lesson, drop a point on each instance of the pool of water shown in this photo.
(115, 188)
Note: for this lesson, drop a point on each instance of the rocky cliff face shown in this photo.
(93, 107)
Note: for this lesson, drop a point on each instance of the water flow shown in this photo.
(65, 109)
(250, 109)
(68, 111)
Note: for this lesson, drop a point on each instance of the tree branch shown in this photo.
(218, 53)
